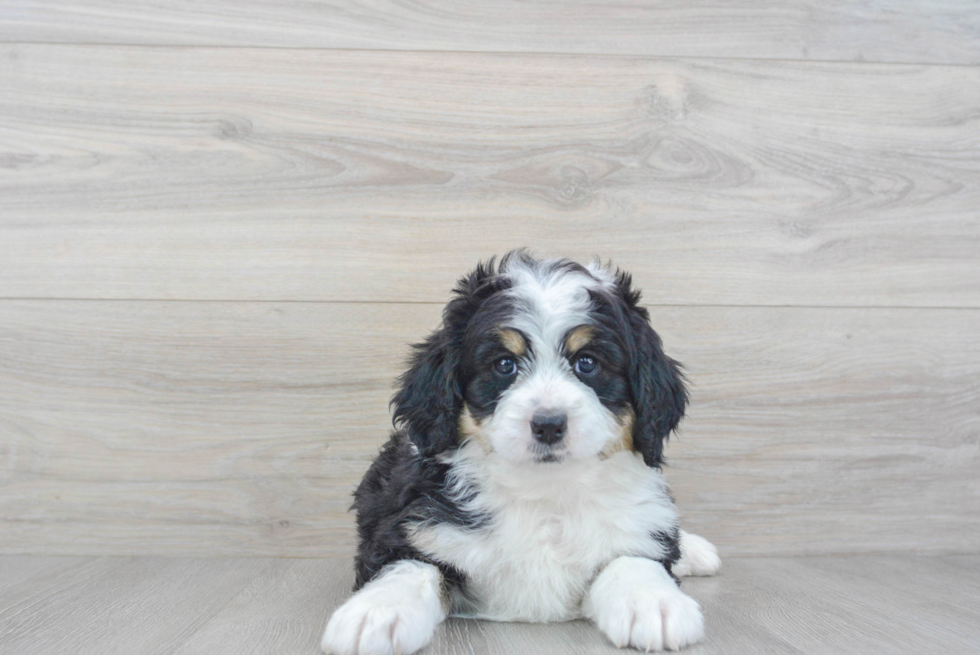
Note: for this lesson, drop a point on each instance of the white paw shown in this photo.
(636, 605)
(698, 557)
(395, 614)
(653, 621)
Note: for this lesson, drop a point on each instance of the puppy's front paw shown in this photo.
(635, 603)
(652, 620)
(363, 629)
(396, 614)
(698, 556)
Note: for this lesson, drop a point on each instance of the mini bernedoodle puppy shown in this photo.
(523, 482)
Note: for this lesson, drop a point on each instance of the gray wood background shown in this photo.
(221, 224)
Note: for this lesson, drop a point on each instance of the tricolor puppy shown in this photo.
(523, 483)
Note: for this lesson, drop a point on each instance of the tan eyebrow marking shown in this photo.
(513, 341)
(579, 338)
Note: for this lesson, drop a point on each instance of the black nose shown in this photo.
(549, 428)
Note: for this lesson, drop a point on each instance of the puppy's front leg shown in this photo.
(396, 612)
(635, 602)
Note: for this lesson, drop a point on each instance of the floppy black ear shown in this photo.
(655, 380)
(430, 398)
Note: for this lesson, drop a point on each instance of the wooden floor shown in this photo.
(223, 222)
(855, 604)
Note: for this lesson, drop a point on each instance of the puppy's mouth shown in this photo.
(549, 455)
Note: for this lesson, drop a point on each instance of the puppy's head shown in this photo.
(542, 361)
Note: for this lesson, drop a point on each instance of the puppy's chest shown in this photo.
(535, 559)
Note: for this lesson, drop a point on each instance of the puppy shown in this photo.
(523, 482)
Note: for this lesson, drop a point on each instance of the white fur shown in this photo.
(395, 613)
(553, 527)
(698, 557)
(602, 272)
(635, 603)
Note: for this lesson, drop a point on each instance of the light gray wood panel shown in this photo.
(939, 31)
(17, 568)
(817, 605)
(304, 175)
(241, 428)
(119, 605)
(762, 605)
(282, 611)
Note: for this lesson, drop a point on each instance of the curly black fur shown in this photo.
(402, 487)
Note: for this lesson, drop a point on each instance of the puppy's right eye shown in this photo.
(586, 365)
(505, 366)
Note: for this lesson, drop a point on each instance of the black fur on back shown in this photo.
(403, 487)
(406, 484)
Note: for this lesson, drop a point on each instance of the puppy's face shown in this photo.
(542, 362)
(544, 375)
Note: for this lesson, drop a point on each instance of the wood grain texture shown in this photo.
(241, 428)
(118, 605)
(258, 174)
(282, 611)
(943, 31)
(920, 604)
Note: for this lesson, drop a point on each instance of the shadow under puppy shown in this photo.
(524, 482)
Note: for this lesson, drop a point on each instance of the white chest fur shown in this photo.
(551, 529)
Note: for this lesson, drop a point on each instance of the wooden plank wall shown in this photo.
(220, 227)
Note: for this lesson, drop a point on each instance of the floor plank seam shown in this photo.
(514, 53)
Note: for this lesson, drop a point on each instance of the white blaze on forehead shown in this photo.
(552, 299)
(603, 273)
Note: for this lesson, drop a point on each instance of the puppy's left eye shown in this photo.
(505, 366)
(586, 365)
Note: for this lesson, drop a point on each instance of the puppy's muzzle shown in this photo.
(549, 427)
